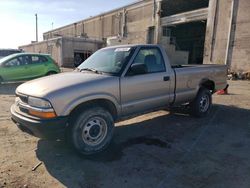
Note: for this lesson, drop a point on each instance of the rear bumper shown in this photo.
(49, 129)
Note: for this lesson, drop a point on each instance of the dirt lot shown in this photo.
(155, 150)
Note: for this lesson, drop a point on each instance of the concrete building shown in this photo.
(192, 31)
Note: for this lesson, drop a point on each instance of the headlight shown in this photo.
(39, 103)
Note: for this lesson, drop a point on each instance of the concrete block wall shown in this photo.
(218, 24)
(228, 34)
(138, 16)
(240, 61)
(138, 21)
(62, 49)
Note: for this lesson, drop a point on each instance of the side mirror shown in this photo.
(138, 68)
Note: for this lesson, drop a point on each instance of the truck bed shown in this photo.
(188, 78)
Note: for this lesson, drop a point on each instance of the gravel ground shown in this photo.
(159, 149)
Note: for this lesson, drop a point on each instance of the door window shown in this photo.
(13, 62)
(24, 60)
(152, 59)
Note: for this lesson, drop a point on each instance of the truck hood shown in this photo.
(49, 84)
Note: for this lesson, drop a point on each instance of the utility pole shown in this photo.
(36, 29)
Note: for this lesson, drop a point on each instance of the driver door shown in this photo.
(13, 69)
(142, 92)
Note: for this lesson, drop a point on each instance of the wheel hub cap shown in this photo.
(94, 131)
(204, 103)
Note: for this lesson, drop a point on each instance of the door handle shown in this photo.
(166, 78)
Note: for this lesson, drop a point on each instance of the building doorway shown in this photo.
(189, 37)
(184, 29)
(81, 56)
(151, 35)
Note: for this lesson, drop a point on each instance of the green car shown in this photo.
(25, 66)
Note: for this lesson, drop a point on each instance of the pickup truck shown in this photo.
(114, 83)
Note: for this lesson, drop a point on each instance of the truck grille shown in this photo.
(24, 110)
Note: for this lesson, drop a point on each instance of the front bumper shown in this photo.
(43, 128)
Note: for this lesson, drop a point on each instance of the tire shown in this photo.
(51, 73)
(92, 131)
(201, 105)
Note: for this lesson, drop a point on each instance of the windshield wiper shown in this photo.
(91, 70)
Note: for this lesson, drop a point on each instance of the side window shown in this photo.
(152, 59)
(13, 62)
(38, 59)
(24, 60)
(35, 59)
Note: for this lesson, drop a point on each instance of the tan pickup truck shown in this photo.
(113, 83)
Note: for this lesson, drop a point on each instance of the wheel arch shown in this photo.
(51, 72)
(208, 84)
(101, 102)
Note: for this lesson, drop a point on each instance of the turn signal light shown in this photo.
(46, 115)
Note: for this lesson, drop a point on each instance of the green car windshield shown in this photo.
(2, 60)
(110, 60)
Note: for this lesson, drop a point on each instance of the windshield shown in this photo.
(110, 60)
(3, 59)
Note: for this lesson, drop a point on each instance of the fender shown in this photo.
(82, 99)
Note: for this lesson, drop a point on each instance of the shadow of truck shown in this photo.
(141, 154)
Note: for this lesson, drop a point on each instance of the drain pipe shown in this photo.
(229, 33)
(154, 8)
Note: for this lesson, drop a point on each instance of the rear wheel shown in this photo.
(201, 105)
(92, 130)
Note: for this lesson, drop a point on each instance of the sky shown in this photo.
(17, 17)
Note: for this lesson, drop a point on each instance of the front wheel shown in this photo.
(92, 130)
(201, 105)
(51, 73)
